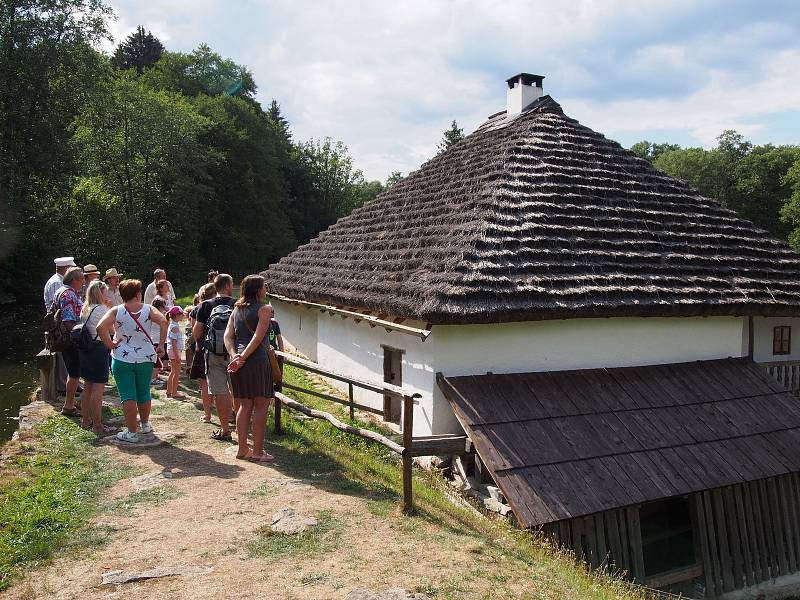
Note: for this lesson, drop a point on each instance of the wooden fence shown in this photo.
(411, 447)
(787, 372)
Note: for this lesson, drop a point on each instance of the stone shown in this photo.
(121, 577)
(393, 594)
(151, 480)
(290, 522)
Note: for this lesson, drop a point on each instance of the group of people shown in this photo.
(227, 346)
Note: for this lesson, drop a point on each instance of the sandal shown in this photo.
(205, 419)
(71, 412)
(247, 456)
(179, 395)
(266, 458)
(222, 436)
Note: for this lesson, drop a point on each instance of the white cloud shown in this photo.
(388, 77)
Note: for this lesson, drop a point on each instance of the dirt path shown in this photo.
(209, 510)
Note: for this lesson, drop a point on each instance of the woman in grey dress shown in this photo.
(251, 377)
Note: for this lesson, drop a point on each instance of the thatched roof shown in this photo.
(539, 217)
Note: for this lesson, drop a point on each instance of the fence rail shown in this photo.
(787, 372)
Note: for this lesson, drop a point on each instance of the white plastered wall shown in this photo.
(763, 328)
(355, 349)
(298, 327)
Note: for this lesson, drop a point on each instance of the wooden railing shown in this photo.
(411, 447)
(787, 372)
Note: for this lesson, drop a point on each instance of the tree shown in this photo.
(395, 177)
(139, 51)
(48, 68)
(333, 180)
(451, 136)
(201, 72)
(650, 152)
(140, 147)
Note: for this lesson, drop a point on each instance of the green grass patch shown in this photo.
(54, 492)
(155, 496)
(324, 537)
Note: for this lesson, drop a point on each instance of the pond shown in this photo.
(21, 339)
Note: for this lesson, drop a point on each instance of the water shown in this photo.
(20, 340)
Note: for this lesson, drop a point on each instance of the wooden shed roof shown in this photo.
(571, 443)
(539, 217)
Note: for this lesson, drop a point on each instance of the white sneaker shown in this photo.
(128, 437)
(145, 427)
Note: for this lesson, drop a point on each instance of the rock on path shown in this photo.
(289, 521)
(120, 577)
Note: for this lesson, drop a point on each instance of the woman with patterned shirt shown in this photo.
(133, 354)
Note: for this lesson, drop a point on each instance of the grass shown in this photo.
(53, 493)
(155, 496)
(343, 463)
(321, 538)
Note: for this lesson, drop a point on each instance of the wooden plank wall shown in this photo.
(745, 534)
(749, 533)
(607, 539)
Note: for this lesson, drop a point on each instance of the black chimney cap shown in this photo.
(527, 79)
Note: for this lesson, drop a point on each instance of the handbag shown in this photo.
(80, 336)
(274, 365)
(57, 337)
(157, 362)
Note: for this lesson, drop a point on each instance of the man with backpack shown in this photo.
(211, 319)
(68, 304)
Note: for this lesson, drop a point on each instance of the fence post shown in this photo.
(47, 375)
(352, 405)
(408, 434)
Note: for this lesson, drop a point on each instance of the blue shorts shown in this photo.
(94, 364)
(133, 380)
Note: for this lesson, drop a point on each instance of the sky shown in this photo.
(386, 77)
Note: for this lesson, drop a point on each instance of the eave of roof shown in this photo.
(567, 444)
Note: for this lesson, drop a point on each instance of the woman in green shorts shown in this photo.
(133, 354)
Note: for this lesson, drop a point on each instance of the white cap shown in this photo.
(65, 261)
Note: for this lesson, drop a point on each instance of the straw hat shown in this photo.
(90, 269)
(112, 272)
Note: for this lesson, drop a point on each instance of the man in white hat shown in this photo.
(57, 280)
(112, 278)
(50, 288)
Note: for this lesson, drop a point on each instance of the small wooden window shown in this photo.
(781, 340)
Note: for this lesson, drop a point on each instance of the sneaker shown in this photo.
(145, 427)
(127, 437)
(157, 382)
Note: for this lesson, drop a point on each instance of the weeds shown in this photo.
(319, 539)
(54, 493)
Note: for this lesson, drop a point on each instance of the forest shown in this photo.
(148, 157)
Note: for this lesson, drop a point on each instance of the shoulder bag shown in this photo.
(275, 367)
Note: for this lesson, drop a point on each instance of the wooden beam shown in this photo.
(378, 388)
(330, 398)
(373, 321)
(444, 445)
(319, 414)
(408, 434)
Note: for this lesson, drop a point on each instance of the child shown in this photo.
(189, 336)
(159, 304)
(163, 289)
(176, 344)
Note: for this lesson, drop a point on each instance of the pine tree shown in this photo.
(139, 50)
(275, 115)
(450, 137)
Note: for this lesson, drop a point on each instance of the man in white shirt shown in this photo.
(50, 288)
(57, 280)
(150, 292)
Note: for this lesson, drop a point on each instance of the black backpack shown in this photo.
(81, 338)
(56, 334)
(215, 329)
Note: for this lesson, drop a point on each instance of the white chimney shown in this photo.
(523, 89)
